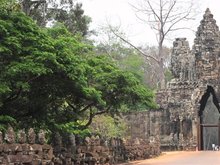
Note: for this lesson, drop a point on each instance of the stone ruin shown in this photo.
(24, 148)
(30, 148)
(95, 150)
(191, 97)
(188, 116)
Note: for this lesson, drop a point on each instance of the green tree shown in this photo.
(126, 58)
(74, 20)
(67, 12)
(50, 79)
(9, 5)
(26, 55)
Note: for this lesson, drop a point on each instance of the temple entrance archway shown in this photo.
(208, 125)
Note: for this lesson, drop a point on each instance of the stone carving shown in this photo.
(172, 126)
(21, 136)
(93, 151)
(41, 137)
(182, 61)
(87, 140)
(10, 135)
(22, 152)
(31, 136)
(57, 139)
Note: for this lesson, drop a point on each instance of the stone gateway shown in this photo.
(191, 97)
(188, 117)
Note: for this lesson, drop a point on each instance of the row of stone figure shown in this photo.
(21, 137)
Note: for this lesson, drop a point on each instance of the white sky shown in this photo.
(119, 12)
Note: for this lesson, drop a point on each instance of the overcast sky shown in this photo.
(120, 12)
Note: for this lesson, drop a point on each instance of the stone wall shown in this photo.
(143, 125)
(95, 150)
(31, 149)
(164, 128)
(27, 149)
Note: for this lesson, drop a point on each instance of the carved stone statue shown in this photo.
(31, 136)
(22, 136)
(41, 137)
(10, 135)
(57, 139)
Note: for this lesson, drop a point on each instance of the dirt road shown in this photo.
(183, 158)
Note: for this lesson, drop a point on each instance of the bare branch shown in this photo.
(182, 28)
(169, 11)
(173, 24)
(132, 45)
(153, 11)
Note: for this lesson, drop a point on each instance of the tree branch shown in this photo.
(86, 107)
(136, 48)
(72, 106)
(13, 96)
(153, 11)
(92, 115)
(169, 11)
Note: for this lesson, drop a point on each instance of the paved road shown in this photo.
(183, 158)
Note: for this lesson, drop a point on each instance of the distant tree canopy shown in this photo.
(50, 79)
(67, 12)
(129, 59)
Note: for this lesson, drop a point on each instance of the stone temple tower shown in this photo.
(206, 50)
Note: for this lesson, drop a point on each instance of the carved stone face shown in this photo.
(21, 136)
(10, 136)
(31, 136)
(41, 137)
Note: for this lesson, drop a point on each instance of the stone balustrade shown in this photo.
(30, 148)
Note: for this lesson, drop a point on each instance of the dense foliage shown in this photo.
(50, 79)
(68, 12)
(108, 127)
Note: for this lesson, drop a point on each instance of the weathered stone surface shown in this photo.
(10, 135)
(194, 70)
(24, 153)
(22, 136)
(41, 137)
(31, 136)
(19, 158)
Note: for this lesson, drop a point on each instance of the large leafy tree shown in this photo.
(26, 54)
(101, 86)
(50, 79)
